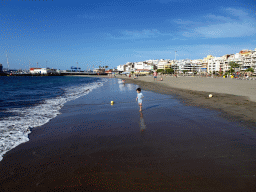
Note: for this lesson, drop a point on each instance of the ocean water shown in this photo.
(28, 102)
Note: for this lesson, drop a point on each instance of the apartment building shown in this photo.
(128, 67)
(152, 61)
(120, 68)
(253, 56)
(143, 65)
(237, 58)
(249, 59)
(215, 64)
(245, 59)
(180, 64)
(164, 64)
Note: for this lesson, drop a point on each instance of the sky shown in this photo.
(88, 33)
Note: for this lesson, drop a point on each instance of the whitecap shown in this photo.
(14, 130)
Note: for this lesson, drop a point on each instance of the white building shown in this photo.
(143, 65)
(249, 59)
(153, 61)
(254, 60)
(120, 68)
(181, 64)
(128, 67)
(41, 71)
(125, 68)
(163, 64)
(215, 64)
(233, 58)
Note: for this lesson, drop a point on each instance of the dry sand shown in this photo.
(235, 98)
(213, 85)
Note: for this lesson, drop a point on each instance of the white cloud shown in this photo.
(235, 23)
(218, 18)
(93, 16)
(224, 30)
(194, 51)
(141, 34)
(236, 12)
(186, 22)
(135, 34)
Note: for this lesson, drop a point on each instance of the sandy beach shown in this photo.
(236, 99)
(171, 146)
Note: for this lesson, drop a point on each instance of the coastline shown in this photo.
(93, 145)
(238, 108)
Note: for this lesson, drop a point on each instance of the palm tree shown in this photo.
(99, 67)
(233, 65)
(106, 67)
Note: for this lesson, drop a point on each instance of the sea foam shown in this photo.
(14, 130)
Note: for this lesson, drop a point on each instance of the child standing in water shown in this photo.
(139, 97)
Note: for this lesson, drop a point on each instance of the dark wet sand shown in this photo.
(113, 154)
(233, 107)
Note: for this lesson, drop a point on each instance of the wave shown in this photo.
(14, 130)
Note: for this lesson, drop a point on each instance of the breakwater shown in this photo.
(54, 74)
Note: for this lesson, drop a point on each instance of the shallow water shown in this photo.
(168, 137)
(28, 102)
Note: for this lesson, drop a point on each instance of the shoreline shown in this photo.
(116, 148)
(233, 107)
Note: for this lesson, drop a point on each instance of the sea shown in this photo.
(28, 102)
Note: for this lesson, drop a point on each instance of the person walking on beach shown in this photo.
(155, 75)
(139, 98)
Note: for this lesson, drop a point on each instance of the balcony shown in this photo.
(246, 65)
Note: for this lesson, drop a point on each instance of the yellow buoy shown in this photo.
(210, 95)
(112, 102)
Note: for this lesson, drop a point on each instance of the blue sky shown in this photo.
(57, 33)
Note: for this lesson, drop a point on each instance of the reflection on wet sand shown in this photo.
(124, 87)
(142, 123)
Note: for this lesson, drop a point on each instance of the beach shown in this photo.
(236, 99)
(177, 143)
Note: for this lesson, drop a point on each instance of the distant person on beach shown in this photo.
(155, 75)
(139, 98)
(160, 79)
